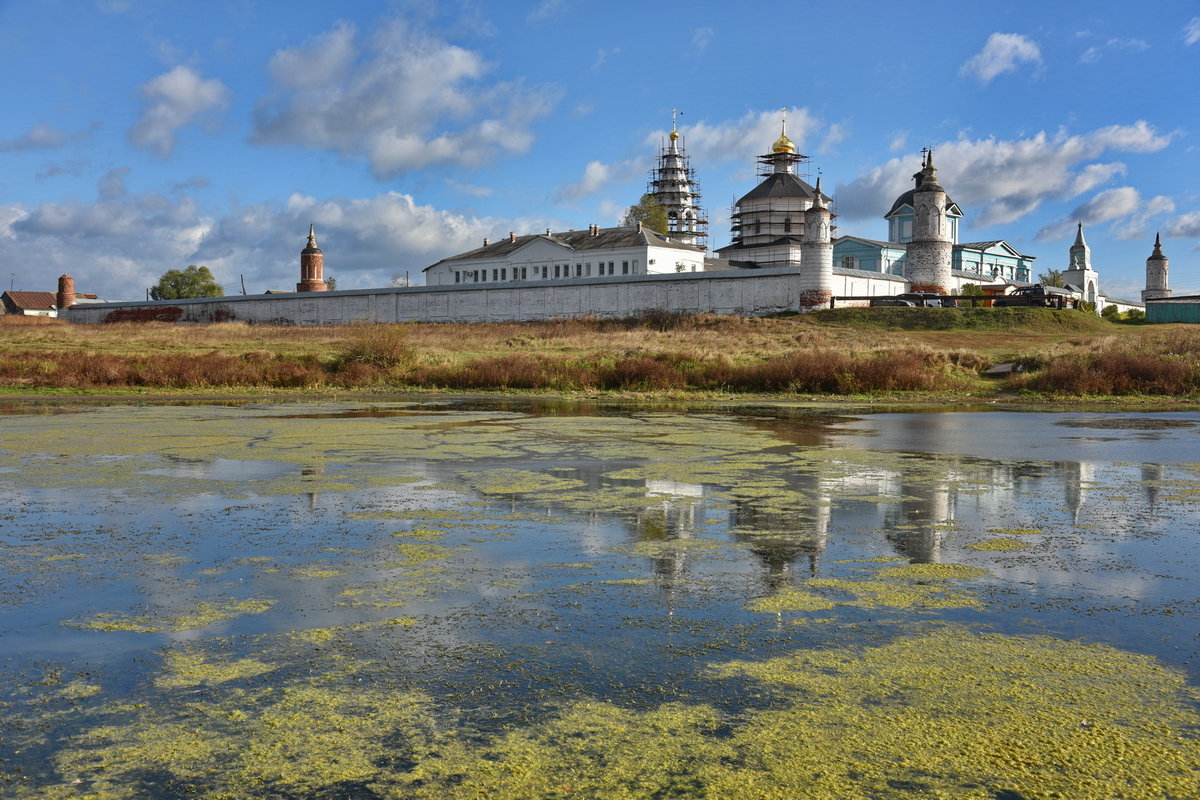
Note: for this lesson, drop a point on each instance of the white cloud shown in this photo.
(404, 100)
(1003, 52)
(121, 242)
(997, 181)
(1123, 206)
(40, 137)
(1185, 225)
(1191, 31)
(899, 141)
(597, 174)
(546, 10)
(173, 100)
(1094, 53)
(701, 39)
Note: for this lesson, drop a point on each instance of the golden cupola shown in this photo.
(783, 144)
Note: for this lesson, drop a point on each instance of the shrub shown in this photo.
(378, 345)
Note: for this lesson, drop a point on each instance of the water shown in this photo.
(459, 571)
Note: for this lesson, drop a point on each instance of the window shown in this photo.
(495, 274)
(558, 270)
(458, 277)
(847, 262)
(588, 269)
(635, 266)
(624, 267)
(578, 270)
(787, 225)
(504, 273)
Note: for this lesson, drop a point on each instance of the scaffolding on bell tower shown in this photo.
(674, 187)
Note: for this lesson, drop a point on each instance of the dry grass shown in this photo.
(656, 353)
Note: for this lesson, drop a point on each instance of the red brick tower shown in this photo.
(312, 267)
(66, 293)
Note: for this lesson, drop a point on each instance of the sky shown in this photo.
(142, 136)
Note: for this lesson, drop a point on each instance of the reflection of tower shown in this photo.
(673, 520)
(918, 537)
(673, 185)
(1077, 475)
(780, 538)
(1152, 477)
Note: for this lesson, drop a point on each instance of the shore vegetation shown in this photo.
(842, 352)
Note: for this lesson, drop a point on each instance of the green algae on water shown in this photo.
(999, 544)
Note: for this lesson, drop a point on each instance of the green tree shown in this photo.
(971, 290)
(1052, 277)
(648, 212)
(178, 284)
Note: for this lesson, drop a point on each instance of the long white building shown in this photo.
(594, 253)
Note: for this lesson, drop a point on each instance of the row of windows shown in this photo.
(543, 272)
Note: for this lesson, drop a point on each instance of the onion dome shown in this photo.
(783, 144)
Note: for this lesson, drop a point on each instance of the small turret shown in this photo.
(66, 293)
(1156, 274)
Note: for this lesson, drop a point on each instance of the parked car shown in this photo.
(929, 299)
(891, 302)
(1036, 295)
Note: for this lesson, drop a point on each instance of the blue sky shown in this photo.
(146, 136)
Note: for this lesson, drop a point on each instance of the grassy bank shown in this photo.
(838, 352)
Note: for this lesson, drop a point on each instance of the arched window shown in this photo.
(787, 225)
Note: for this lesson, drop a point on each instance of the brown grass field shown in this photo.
(938, 353)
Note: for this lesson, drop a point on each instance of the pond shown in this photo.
(509, 599)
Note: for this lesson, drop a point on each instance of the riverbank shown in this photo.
(906, 355)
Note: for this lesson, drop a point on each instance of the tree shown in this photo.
(648, 212)
(331, 283)
(1052, 277)
(182, 284)
(970, 290)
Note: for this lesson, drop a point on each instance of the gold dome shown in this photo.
(783, 144)
(674, 135)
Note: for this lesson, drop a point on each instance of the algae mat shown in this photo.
(508, 600)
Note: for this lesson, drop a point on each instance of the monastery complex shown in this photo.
(782, 256)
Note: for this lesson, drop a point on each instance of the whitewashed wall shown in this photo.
(746, 293)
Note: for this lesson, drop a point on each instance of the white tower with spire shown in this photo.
(1156, 274)
(673, 186)
(1079, 272)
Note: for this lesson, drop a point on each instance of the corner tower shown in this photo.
(312, 266)
(1156, 274)
(931, 250)
(816, 284)
(673, 186)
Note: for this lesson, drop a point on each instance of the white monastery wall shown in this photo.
(749, 293)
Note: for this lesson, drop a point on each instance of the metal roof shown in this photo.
(602, 239)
